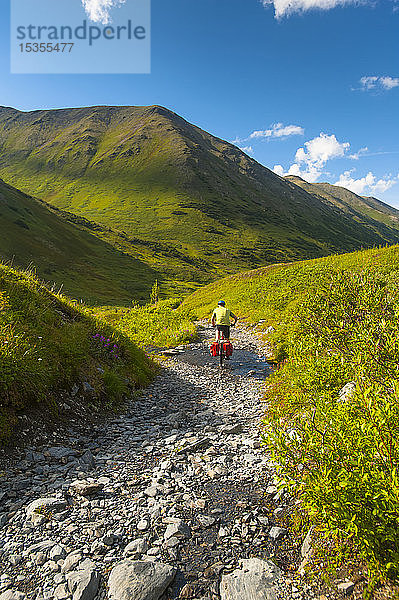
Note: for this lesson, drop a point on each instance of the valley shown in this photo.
(186, 204)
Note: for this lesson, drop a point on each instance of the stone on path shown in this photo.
(83, 583)
(71, 561)
(206, 521)
(346, 587)
(195, 446)
(136, 548)
(61, 592)
(43, 546)
(256, 580)
(81, 487)
(139, 580)
(232, 429)
(11, 595)
(143, 524)
(276, 533)
(87, 461)
(59, 452)
(45, 506)
(178, 529)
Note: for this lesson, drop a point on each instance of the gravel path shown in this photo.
(179, 479)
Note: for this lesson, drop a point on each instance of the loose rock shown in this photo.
(256, 580)
(139, 580)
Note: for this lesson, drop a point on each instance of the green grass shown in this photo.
(48, 343)
(336, 321)
(160, 324)
(88, 261)
(273, 293)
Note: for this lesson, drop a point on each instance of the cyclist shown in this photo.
(221, 319)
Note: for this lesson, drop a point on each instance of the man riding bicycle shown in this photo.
(221, 319)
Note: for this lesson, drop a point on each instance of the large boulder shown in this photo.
(139, 580)
(83, 583)
(256, 579)
(81, 487)
(45, 507)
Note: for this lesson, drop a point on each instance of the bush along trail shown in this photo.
(169, 500)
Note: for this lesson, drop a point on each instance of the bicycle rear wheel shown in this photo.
(221, 351)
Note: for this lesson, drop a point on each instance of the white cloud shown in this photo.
(247, 149)
(367, 184)
(285, 8)
(279, 170)
(389, 82)
(310, 160)
(321, 149)
(278, 130)
(359, 153)
(378, 83)
(99, 10)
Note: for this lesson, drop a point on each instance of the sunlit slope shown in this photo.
(67, 254)
(148, 172)
(272, 293)
(353, 204)
(48, 344)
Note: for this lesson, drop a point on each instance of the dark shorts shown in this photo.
(225, 329)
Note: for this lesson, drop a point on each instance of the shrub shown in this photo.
(340, 454)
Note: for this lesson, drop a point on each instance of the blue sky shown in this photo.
(319, 85)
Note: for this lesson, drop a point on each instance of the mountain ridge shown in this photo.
(345, 198)
(150, 174)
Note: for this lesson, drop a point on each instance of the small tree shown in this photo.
(154, 297)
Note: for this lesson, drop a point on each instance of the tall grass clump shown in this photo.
(158, 324)
(48, 343)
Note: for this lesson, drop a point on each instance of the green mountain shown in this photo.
(152, 175)
(72, 252)
(352, 204)
(48, 344)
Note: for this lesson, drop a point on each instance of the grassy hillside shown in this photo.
(270, 293)
(151, 174)
(332, 417)
(351, 203)
(87, 260)
(48, 344)
(155, 325)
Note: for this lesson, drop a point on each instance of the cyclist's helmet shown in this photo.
(221, 303)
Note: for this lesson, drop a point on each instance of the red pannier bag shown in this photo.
(214, 349)
(228, 348)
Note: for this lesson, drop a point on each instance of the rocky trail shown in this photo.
(173, 499)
